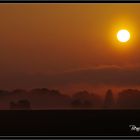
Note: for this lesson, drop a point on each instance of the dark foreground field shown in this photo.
(69, 123)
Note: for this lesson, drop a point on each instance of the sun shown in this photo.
(123, 35)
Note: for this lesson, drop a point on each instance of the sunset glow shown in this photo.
(59, 51)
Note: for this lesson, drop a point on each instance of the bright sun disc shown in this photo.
(123, 35)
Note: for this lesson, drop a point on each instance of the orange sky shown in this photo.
(42, 39)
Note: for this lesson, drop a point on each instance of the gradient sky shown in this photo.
(59, 44)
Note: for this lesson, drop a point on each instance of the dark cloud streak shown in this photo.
(98, 76)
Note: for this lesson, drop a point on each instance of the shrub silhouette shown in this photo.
(20, 105)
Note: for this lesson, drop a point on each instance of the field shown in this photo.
(69, 122)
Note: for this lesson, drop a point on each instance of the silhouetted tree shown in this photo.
(4, 93)
(19, 91)
(109, 100)
(84, 99)
(129, 99)
(55, 92)
(45, 91)
(81, 104)
(40, 91)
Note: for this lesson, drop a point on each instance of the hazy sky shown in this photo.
(37, 40)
